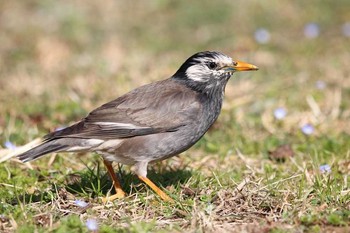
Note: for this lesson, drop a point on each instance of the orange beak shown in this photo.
(240, 66)
(243, 66)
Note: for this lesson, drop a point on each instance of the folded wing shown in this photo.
(150, 109)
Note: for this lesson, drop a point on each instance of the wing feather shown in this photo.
(163, 106)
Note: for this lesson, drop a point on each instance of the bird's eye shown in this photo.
(212, 65)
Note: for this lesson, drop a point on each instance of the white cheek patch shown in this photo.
(218, 73)
(198, 73)
(201, 73)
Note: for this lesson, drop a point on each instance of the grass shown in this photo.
(61, 59)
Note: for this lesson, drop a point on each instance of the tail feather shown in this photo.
(40, 150)
(59, 145)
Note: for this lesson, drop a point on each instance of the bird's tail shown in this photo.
(59, 145)
(42, 149)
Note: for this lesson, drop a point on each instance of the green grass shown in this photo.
(59, 60)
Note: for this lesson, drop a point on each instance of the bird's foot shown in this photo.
(157, 190)
(119, 195)
(165, 197)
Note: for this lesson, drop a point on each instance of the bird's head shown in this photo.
(207, 71)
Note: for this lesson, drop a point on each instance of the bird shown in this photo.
(150, 123)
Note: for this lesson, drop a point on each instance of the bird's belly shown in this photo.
(155, 147)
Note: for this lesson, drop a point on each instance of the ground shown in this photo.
(277, 159)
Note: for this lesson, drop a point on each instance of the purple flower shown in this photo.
(311, 30)
(325, 168)
(10, 145)
(280, 113)
(346, 29)
(92, 224)
(81, 203)
(262, 36)
(320, 85)
(307, 129)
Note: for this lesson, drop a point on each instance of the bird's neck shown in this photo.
(213, 91)
(211, 95)
(214, 99)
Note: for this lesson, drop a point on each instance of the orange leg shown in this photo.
(156, 189)
(119, 193)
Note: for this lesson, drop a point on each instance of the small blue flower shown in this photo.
(320, 85)
(81, 203)
(10, 145)
(325, 168)
(280, 113)
(346, 29)
(307, 129)
(92, 225)
(311, 30)
(262, 36)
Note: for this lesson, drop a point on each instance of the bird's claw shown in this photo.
(118, 195)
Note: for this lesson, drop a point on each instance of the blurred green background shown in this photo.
(61, 59)
(83, 53)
